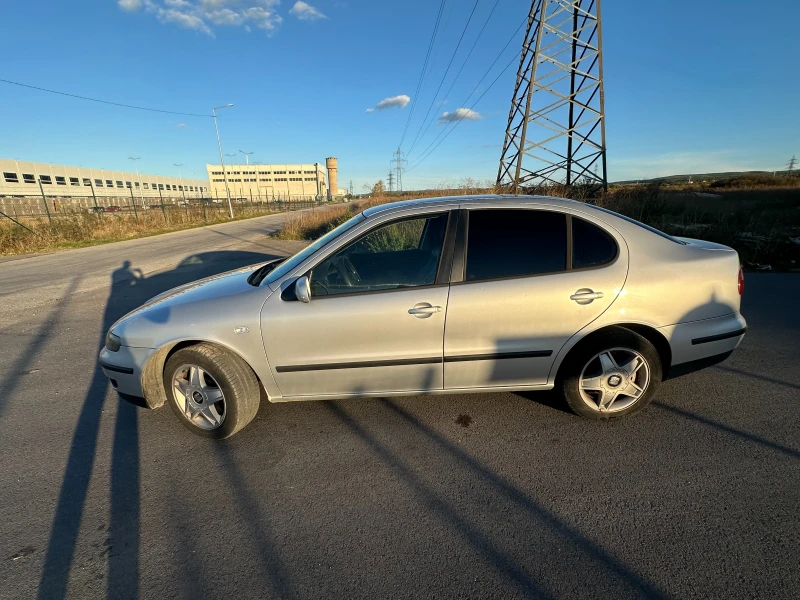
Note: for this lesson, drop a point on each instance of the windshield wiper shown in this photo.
(257, 276)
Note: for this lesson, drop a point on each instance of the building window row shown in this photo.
(48, 180)
(280, 179)
(311, 178)
(295, 179)
(309, 172)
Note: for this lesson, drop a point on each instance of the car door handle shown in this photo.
(423, 310)
(585, 296)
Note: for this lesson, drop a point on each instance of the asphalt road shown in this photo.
(473, 496)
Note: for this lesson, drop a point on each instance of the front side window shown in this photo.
(514, 243)
(11, 177)
(591, 246)
(400, 254)
(60, 180)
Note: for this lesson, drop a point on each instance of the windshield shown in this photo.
(290, 263)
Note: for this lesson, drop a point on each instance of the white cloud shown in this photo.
(130, 5)
(393, 102)
(181, 125)
(201, 15)
(306, 12)
(224, 16)
(460, 114)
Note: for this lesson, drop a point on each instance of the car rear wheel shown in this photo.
(213, 392)
(611, 375)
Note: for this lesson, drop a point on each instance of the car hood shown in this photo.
(179, 312)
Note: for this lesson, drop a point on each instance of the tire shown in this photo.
(607, 392)
(219, 373)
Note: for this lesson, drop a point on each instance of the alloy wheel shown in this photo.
(614, 380)
(198, 397)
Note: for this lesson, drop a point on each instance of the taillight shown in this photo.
(741, 281)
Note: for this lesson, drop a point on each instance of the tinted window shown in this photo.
(591, 246)
(635, 222)
(510, 243)
(400, 254)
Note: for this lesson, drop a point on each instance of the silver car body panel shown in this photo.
(502, 334)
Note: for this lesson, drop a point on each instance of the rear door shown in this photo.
(524, 281)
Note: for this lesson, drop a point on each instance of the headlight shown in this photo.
(112, 342)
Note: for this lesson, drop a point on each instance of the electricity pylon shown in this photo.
(556, 125)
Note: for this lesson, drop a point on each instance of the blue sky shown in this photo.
(690, 86)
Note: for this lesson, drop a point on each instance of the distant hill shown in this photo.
(698, 177)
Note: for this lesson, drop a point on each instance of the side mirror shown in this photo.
(302, 289)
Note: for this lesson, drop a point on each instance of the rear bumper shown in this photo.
(705, 339)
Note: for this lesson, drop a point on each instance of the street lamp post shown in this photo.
(180, 177)
(247, 162)
(139, 177)
(222, 160)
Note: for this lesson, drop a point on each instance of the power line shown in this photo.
(438, 89)
(427, 153)
(424, 68)
(169, 112)
(464, 64)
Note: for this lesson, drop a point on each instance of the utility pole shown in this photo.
(556, 126)
(399, 166)
(391, 181)
(792, 162)
(351, 188)
(224, 176)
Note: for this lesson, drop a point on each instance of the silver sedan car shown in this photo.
(439, 296)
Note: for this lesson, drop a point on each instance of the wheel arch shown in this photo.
(152, 374)
(650, 333)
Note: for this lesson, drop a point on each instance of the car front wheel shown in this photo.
(213, 392)
(611, 375)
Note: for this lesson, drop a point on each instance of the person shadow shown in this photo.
(129, 289)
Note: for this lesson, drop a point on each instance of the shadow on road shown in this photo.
(759, 377)
(19, 368)
(750, 437)
(129, 289)
(513, 570)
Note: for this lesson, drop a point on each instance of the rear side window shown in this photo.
(591, 246)
(513, 243)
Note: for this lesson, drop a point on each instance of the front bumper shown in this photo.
(124, 369)
(698, 340)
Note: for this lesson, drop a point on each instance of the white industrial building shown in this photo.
(271, 182)
(23, 178)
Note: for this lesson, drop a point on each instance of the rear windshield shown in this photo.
(642, 225)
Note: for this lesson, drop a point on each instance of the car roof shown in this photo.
(493, 199)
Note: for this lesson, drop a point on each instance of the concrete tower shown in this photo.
(333, 184)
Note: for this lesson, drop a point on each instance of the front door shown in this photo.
(375, 321)
(525, 292)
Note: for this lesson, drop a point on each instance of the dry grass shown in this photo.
(759, 223)
(83, 229)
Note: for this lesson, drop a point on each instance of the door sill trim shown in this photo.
(411, 393)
